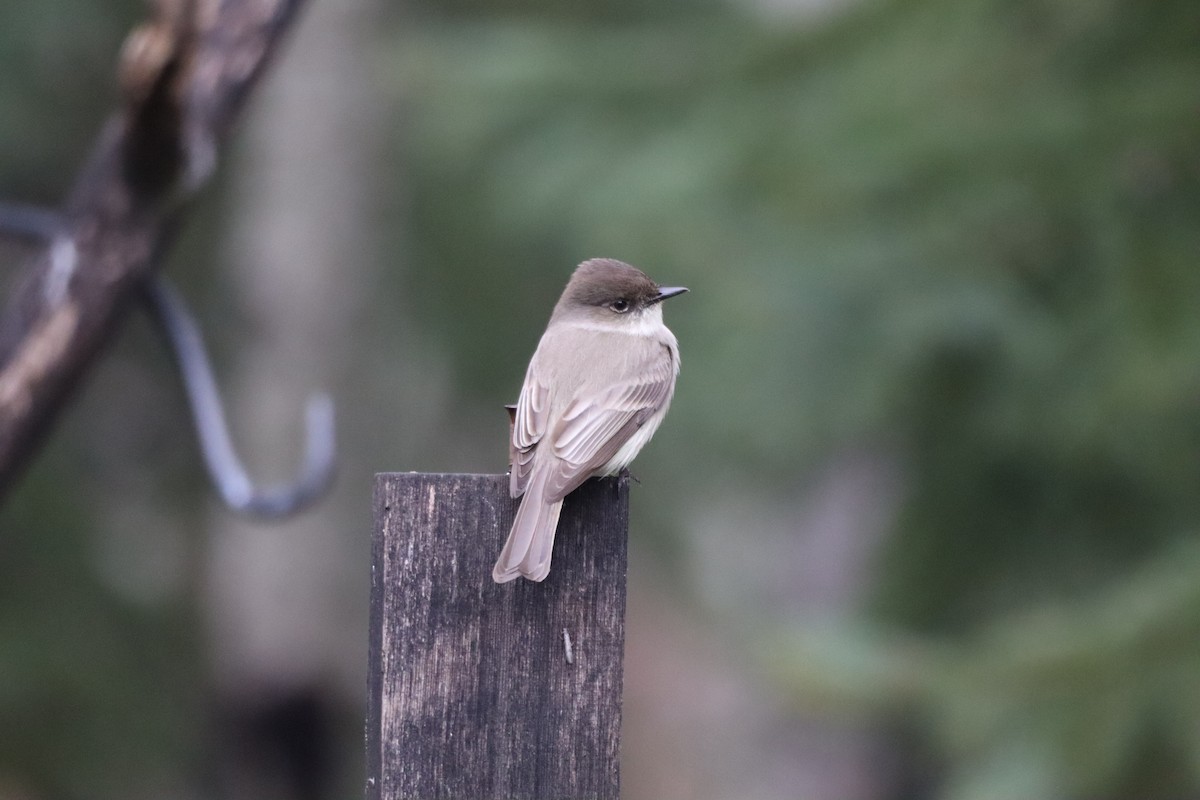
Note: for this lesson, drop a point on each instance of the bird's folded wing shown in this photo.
(593, 428)
(529, 424)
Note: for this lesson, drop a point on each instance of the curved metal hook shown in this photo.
(224, 467)
(30, 223)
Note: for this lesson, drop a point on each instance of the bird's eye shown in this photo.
(620, 305)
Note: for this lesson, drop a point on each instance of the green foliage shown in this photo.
(98, 694)
(1092, 698)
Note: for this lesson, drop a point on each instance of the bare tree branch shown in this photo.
(185, 75)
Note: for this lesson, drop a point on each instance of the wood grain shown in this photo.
(472, 695)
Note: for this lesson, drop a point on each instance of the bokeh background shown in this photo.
(923, 521)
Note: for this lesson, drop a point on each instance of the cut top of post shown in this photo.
(479, 690)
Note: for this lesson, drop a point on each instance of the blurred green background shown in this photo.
(922, 522)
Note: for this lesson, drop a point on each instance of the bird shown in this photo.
(596, 390)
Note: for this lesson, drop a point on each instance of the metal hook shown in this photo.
(30, 223)
(224, 467)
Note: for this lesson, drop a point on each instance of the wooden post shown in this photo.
(480, 691)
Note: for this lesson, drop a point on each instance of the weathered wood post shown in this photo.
(479, 691)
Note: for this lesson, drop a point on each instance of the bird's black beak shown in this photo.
(668, 291)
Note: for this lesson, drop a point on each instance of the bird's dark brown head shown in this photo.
(608, 285)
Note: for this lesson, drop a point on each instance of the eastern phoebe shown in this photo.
(596, 390)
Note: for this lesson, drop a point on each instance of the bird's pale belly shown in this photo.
(631, 448)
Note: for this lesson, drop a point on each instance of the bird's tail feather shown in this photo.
(531, 541)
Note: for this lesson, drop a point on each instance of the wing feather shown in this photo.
(593, 429)
(529, 425)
